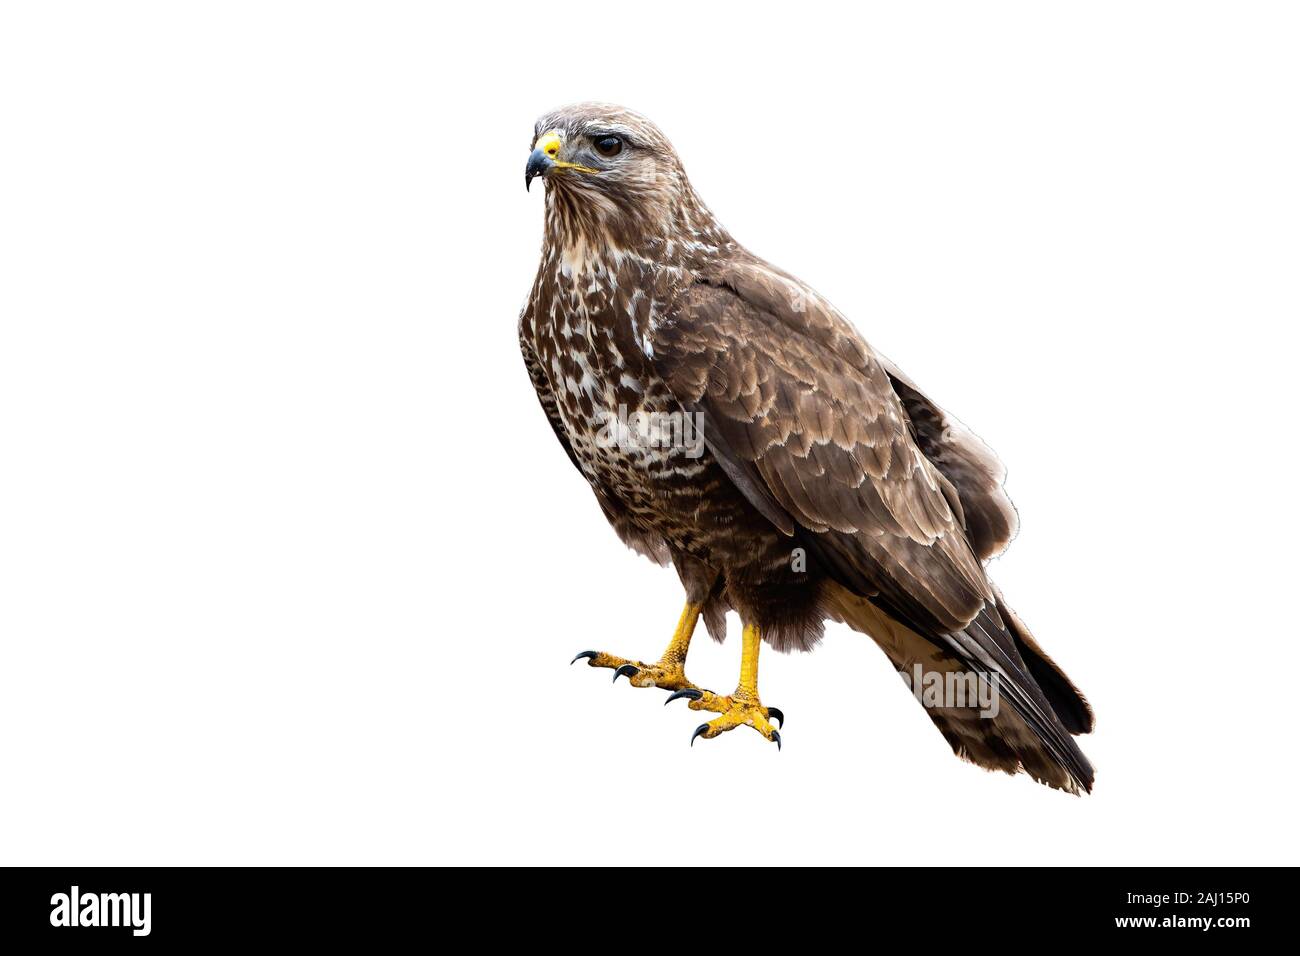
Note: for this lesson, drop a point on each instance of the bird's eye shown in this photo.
(608, 145)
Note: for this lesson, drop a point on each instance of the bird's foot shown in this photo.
(736, 710)
(668, 675)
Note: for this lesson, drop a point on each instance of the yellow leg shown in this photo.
(669, 673)
(743, 706)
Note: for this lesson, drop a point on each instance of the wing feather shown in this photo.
(810, 415)
(970, 465)
(896, 502)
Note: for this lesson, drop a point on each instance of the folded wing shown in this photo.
(809, 425)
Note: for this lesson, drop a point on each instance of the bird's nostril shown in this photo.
(552, 151)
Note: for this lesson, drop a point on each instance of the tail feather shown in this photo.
(1021, 737)
(1067, 700)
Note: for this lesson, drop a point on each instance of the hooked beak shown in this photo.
(546, 157)
(539, 164)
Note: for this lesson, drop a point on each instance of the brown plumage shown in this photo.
(812, 444)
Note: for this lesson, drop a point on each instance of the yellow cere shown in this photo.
(550, 143)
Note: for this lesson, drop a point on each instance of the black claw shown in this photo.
(777, 737)
(581, 655)
(774, 713)
(690, 694)
(698, 730)
(626, 670)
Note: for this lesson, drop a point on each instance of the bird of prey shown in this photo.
(730, 421)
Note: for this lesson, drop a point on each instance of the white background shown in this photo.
(291, 566)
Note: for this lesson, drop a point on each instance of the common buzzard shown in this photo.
(730, 421)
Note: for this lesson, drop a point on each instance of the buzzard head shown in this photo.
(595, 146)
(609, 173)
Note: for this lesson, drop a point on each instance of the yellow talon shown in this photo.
(669, 673)
(742, 708)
